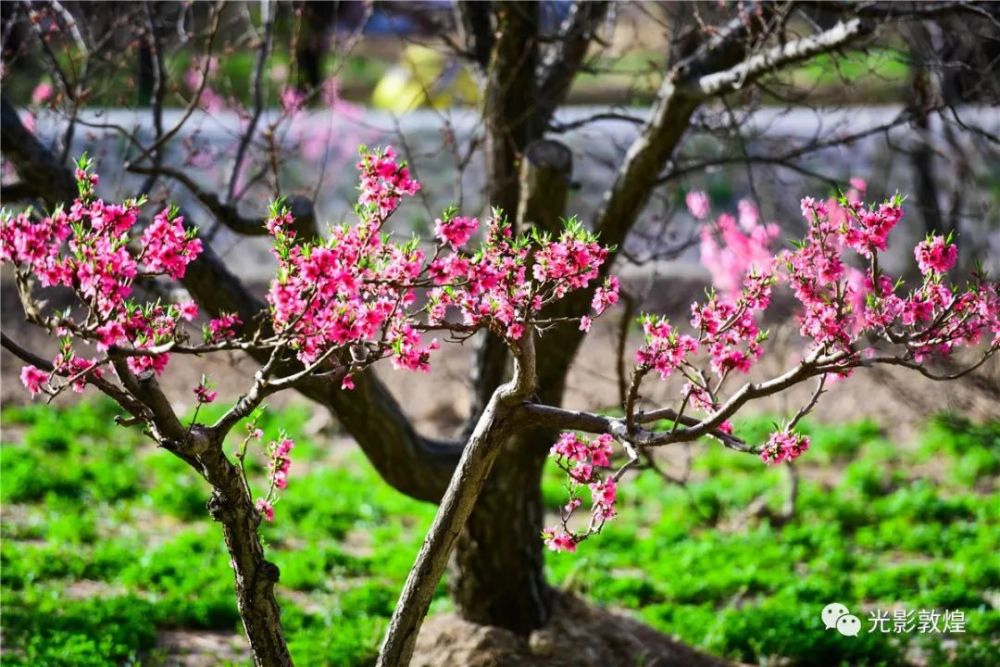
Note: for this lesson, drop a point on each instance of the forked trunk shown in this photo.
(497, 574)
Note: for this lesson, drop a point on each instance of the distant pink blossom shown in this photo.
(731, 251)
(698, 204)
(42, 92)
(292, 100)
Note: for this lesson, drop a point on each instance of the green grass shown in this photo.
(106, 542)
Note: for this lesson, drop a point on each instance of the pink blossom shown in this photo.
(167, 247)
(148, 364)
(204, 394)
(109, 334)
(601, 450)
(347, 384)
(698, 204)
(292, 101)
(571, 447)
(76, 368)
(33, 378)
(605, 495)
(663, 350)
(558, 540)
(581, 473)
(188, 310)
(935, 255)
(265, 508)
(731, 252)
(585, 323)
(784, 446)
(455, 231)
(41, 93)
(224, 326)
(606, 295)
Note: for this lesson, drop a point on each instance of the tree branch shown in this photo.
(258, 98)
(561, 64)
(477, 33)
(777, 58)
(303, 211)
(415, 465)
(463, 490)
(35, 164)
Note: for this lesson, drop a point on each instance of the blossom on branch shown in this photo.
(851, 313)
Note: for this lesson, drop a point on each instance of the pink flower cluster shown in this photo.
(510, 280)
(33, 378)
(455, 230)
(222, 327)
(727, 331)
(167, 247)
(606, 295)
(279, 463)
(356, 288)
(784, 446)
(731, 250)
(384, 181)
(848, 304)
(204, 394)
(698, 204)
(583, 461)
(842, 304)
(936, 255)
(86, 249)
(663, 349)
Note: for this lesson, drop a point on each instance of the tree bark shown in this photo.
(497, 575)
(231, 505)
(459, 500)
(509, 98)
(37, 168)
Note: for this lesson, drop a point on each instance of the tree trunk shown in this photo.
(231, 505)
(497, 573)
(466, 485)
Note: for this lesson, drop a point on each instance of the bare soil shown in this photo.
(578, 635)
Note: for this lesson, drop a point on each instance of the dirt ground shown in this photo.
(578, 635)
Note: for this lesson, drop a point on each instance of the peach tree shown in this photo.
(340, 303)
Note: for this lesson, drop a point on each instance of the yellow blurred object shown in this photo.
(425, 77)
